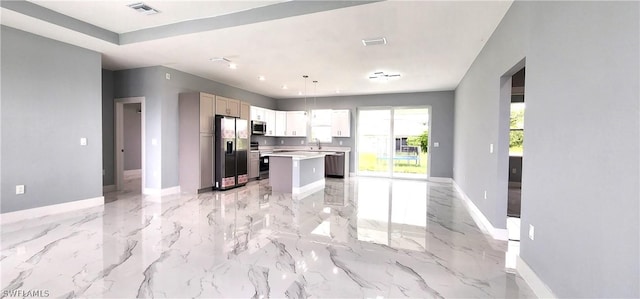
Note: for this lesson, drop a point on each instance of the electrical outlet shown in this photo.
(436, 144)
(340, 142)
(531, 232)
(485, 194)
(83, 141)
(301, 141)
(314, 170)
(265, 141)
(281, 141)
(19, 189)
(168, 76)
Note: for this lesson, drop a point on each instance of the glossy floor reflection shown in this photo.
(367, 238)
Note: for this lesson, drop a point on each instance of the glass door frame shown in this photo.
(389, 173)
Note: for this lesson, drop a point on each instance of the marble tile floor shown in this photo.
(361, 238)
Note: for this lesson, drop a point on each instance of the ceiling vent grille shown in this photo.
(374, 41)
(143, 8)
(382, 76)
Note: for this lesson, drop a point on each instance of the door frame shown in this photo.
(119, 139)
(389, 173)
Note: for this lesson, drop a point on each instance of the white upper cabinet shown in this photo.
(321, 117)
(341, 123)
(281, 123)
(270, 119)
(296, 124)
(257, 113)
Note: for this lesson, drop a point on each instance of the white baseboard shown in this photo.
(305, 190)
(52, 209)
(535, 283)
(440, 179)
(108, 188)
(161, 192)
(481, 220)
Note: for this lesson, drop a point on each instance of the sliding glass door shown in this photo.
(374, 142)
(393, 142)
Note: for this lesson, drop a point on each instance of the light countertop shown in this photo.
(299, 155)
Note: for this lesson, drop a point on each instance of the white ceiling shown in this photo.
(430, 43)
(116, 16)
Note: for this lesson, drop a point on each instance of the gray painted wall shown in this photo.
(108, 127)
(161, 115)
(581, 172)
(442, 105)
(50, 99)
(310, 170)
(132, 136)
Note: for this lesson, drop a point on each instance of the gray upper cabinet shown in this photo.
(227, 106)
(207, 113)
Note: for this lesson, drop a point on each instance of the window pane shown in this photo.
(515, 142)
(322, 133)
(517, 116)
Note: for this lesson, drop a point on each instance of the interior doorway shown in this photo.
(393, 142)
(516, 149)
(129, 144)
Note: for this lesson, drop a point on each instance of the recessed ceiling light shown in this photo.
(143, 8)
(337, 90)
(233, 66)
(261, 78)
(285, 87)
(299, 93)
(382, 76)
(374, 41)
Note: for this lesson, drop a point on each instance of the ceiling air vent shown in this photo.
(382, 76)
(143, 8)
(374, 41)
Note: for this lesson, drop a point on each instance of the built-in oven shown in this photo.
(258, 127)
(264, 165)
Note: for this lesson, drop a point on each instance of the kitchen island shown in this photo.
(296, 172)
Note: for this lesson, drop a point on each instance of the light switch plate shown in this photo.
(19, 189)
(531, 232)
(436, 144)
(491, 148)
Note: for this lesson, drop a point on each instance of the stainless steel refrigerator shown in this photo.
(231, 150)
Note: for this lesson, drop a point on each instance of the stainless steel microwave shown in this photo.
(258, 127)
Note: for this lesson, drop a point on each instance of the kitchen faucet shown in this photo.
(319, 146)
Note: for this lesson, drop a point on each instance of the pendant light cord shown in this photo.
(315, 93)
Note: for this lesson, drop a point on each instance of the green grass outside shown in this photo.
(515, 150)
(370, 162)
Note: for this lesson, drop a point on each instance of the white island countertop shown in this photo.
(299, 155)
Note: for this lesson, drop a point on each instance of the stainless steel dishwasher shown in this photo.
(334, 165)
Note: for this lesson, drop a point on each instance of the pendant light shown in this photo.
(305, 93)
